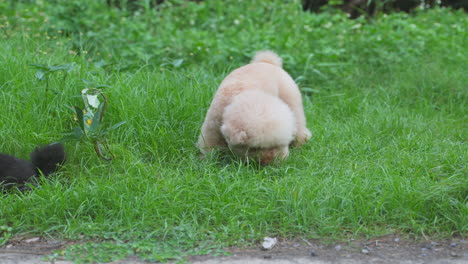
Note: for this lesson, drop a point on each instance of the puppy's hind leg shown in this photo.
(290, 94)
(210, 136)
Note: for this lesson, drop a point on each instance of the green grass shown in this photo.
(385, 101)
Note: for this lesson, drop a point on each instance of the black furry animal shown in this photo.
(45, 160)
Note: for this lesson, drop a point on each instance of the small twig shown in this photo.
(308, 243)
(104, 107)
(97, 148)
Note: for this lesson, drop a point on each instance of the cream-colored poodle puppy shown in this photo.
(257, 112)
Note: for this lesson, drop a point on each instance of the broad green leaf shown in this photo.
(79, 116)
(93, 100)
(117, 125)
(177, 63)
(71, 66)
(84, 95)
(39, 66)
(100, 64)
(41, 75)
(75, 134)
(97, 118)
(94, 85)
(70, 107)
(67, 67)
(102, 86)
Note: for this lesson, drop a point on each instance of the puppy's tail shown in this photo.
(268, 56)
(47, 159)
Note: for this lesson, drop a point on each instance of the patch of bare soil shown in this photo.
(388, 249)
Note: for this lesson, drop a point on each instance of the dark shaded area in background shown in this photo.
(355, 8)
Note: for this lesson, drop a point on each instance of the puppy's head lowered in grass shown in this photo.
(259, 126)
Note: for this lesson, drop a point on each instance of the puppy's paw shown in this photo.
(302, 137)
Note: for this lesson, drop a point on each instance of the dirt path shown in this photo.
(389, 249)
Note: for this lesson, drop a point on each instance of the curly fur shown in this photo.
(257, 112)
(266, 121)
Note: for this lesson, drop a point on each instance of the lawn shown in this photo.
(384, 98)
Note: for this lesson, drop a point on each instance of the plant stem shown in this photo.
(47, 90)
(97, 148)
